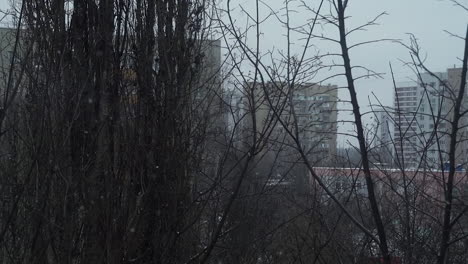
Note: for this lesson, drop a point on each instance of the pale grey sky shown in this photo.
(426, 19)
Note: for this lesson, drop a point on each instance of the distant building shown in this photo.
(314, 111)
(405, 131)
(7, 48)
(383, 141)
(309, 112)
(424, 189)
(209, 104)
(421, 108)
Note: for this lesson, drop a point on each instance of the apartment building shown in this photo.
(383, 141)
(405, 130)
(311, 107)
(316, 112)
(7, 49)
(423, 110)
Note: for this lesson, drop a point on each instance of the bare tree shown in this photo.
(126, 140)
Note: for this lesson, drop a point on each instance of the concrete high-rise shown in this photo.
(423, 112)
(314, 111)
(405, 131)
(383, 142)
(308, 112)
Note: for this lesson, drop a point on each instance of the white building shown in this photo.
(405, 131)
(423, 110)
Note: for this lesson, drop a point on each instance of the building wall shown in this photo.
(383, 143)
(315, 113)
(405, 131)
(7, 44)
(314, 109)
(421, 108)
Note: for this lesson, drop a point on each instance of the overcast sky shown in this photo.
(426, 19)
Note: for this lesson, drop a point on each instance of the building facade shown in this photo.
(281, 117)
(310, 111)
(405, 130)
(423, 110)
(383, 141)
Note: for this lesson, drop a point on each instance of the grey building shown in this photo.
(405, 131)
(423, 111)
(310, 113)
(383, 141)
(7, 49)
